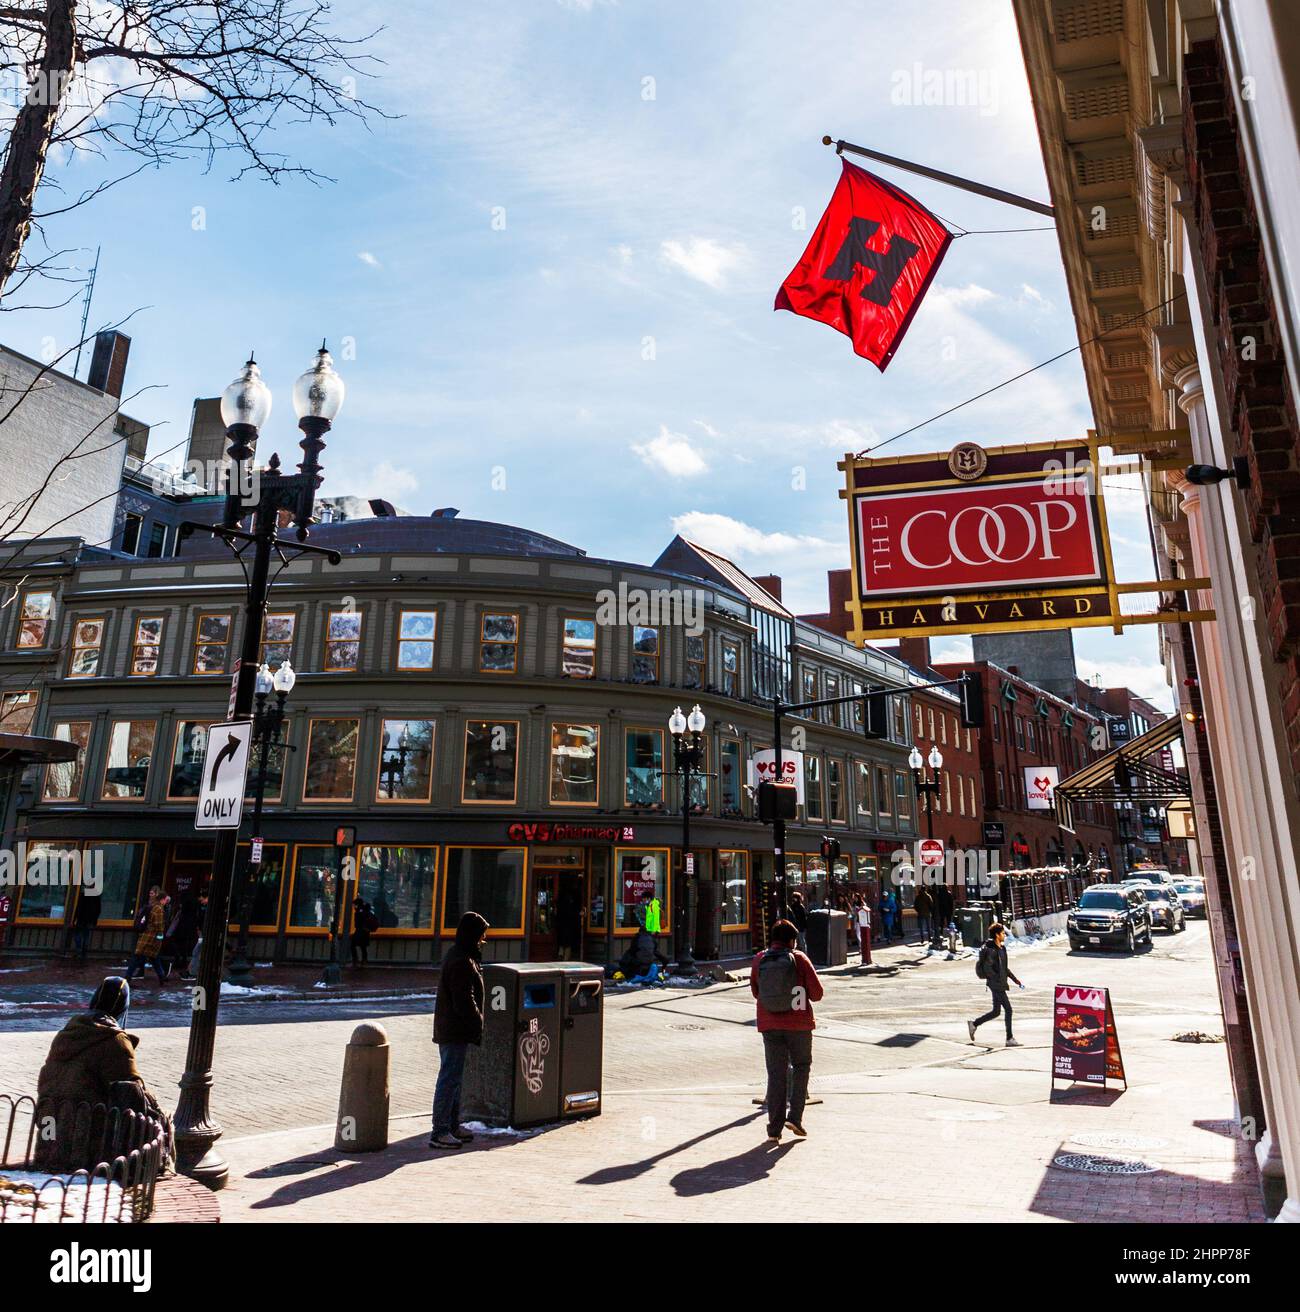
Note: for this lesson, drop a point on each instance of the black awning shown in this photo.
(1127, 775)
(19, 750)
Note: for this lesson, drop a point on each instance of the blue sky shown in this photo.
(556, 273)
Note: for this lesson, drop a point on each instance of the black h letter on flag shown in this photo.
(889, 266)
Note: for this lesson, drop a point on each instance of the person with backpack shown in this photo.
(991, 966)
(785, 985)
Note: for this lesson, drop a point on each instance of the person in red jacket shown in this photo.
(785, 985)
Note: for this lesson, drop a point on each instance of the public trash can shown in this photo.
(828, 937)
(974, 920)
(540, 1059)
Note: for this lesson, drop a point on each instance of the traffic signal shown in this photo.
(875, 713)
(777, 802)
(972, 700)
(830, 849)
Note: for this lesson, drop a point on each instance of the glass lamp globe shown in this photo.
(677, 723)
(696, 722)
(247, 400)
(285, 678)
(914, 759)
(935, 758)
(319, 392)
(264, 681)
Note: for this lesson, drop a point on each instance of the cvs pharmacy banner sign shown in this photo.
(762, 769)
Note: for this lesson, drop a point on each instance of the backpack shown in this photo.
(778, 977)
(982, 963)
(369, 921)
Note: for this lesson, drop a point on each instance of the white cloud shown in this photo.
(367, 258)
(1146, 678)
(703, 259)
(971, 294)
(959, 650)
(672, 453)
(387, 480)
(1033, 295)
(708, 428)
(624, 253)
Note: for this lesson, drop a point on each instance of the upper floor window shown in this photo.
(63, 778)
(416, 630)
(130, 754)
(835, 790)
(696, 660)
(729, 776)
(17, 711)
(645, 655)
(342, 640)
(87, 642)
(277, 638)
(499, 643)
(997, 730)
(131, 533)
(643, 779)
(730, 668)
(863, 772)
(491, 761)
(833, 690)
(902, 795)
(36, 617)
(809, 686)
(146, 644)
(575, 764)
(331, 760)
(188, 749)
(1020, 733)
(211, 644)
(578, 655)
(858, 711)
(812, 787)
(900, 719)
(884, 791)
(405, 761)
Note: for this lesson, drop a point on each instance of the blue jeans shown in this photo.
(446, 1094)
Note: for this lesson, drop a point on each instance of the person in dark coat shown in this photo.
(182, 934)
(568, 924)
(457, 1022)
(84, 921)
(995, 971)
(91, 1061)
(944, 905)
(365, 921)
(923, 905)
(798, 916)
(152, 926)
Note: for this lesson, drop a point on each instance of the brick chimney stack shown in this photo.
(772, 582)
(108, 364)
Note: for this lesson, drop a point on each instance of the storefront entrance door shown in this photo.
(556, 930)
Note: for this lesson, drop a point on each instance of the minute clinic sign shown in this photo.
(978, 541)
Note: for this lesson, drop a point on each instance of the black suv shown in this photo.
(1109, 915)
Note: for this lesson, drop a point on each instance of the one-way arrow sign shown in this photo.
(225, 769)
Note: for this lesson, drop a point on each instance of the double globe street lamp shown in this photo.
(687, 734)
(261, 496)
(929, 789)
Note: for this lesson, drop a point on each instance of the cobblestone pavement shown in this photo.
(915, 1123)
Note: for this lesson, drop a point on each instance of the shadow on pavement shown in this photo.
(630, 1170)
(1080, 1095)
(749, 1167)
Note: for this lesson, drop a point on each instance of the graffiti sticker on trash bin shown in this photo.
(533, 1047)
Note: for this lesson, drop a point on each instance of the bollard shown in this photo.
(363, 1099)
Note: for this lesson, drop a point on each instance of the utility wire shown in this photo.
(863, 454)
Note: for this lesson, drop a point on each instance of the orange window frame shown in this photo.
(148, 775)
(80, 764)
(434, 901)
(306, 767)
(199, 642)
(493, 932)
(292, 617)
(286, 896)
(666, 911)
(490, 801)
(484, 640)
(379, 769)
(550, 752)
(171, 760)
(74, 647)
(644, 728)
(580, 644)
(48, 621)
(432, 640)
(744, 860)
(136, 644)
(361, 633)
(255, 927)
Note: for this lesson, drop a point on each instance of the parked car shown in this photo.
(1166, 907)
(1191, 893)
(1109, 915)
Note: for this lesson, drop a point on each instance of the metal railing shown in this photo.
(82, 1161)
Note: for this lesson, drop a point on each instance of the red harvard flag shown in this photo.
(868, 264)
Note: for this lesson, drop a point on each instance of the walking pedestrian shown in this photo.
(799, 919)
(84, 921)
(202, 916)
(182, 933)
(993, 969)
(457, 1022)
(365, 920)
(152, 925)
(923, 905)
(887, 906)
(785, 985)
(944, 903)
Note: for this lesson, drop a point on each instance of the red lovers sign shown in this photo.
(1085, 1046)
(972, 541)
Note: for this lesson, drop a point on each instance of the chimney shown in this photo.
(108, 364)
(915, 651)
(771, 582)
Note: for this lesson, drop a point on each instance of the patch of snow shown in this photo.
(499, 1131)
(38, 1196)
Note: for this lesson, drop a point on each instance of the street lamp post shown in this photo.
(245, 407)
(929, 789)
(268, 719)
(688, 761)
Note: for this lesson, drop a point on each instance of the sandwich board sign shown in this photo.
(1085, 1046)
(225, 769)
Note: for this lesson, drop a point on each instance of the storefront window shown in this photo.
(814, 879)
(733, 872)
(696, 660)
(211, 643)
(641, 876)
(489, 880)
(405, 761)
(264, 892)
(643, 781)
(835, 789)
(63, 778)
(146, 644)
(645, 655)
(578, 658)
(342, 640)
(48, 881)
(499, 643)
(123, 864)
(126, 767)
(277, 638)
(315, 882)
(87, 643)
(812, 786)
(331, 760)
(491, 761)
(36, 619)
(416, 631)
(729, 776)
(188, 748)
(575, 764)
(398, 882)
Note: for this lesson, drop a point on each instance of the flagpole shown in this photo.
(951, 179)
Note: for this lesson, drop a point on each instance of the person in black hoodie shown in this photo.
(997, 975)
(457, 1022)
